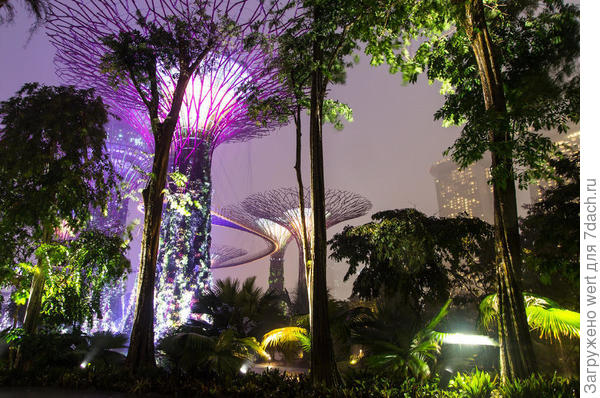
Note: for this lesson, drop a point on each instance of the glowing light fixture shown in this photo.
(467, 339)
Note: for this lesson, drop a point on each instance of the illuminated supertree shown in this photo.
(281, 206)
(129, 155)
(214, 109)
(265, 228)
(220, 254)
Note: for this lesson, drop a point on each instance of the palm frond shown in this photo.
(553, 322)
(543, 314)
(277, 337)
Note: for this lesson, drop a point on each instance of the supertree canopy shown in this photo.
(215, 107)
(265, 227)
(220, 254)
(281, 206)
(129, 155)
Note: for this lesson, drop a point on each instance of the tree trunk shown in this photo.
(516, 350)
(276, 279)
(302, 302)
(302, 305)
(184, 259)
(323, 367)
(140, 354)
(34, 304)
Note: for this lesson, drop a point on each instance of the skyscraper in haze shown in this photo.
(464, 191)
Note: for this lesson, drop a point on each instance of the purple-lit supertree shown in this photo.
(220, 254)
(281, 206)
(128, 154)
(200, 107)
(265, 227)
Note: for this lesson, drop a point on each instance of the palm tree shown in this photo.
(393, 348)
(287, 340)
(543, 314)
(225, 354)
(245, 308)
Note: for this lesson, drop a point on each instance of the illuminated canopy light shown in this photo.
(467, 339)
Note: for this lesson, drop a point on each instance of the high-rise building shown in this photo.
(567, 144)
(467, 190)
(464, 191)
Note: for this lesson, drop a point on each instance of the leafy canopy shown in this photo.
(538, 52)
(77, 274)
(551, 252)
(424, 257)
(53, 165)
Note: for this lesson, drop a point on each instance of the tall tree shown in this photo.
(509, 69)
(138, 56)
(53, 169)
(416, 260)
(329, 27)
(551, 254)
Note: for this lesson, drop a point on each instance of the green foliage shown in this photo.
(224, 354)
(537, 47)
(53, 167)
(538, 386)
(288, 340)
(478, 384)
(334, 112)
(543, 314)
(551, 254)
(270, 384)
(394, 349)
(404, 250)
(244, 308)
(77, 273)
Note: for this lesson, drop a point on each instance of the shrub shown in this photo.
(478, 384)
(538, 386)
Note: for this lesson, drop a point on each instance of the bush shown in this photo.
(538, 386)
(478, 384)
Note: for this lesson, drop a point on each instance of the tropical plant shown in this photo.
(76, 273)
(538, 386)
(245, 308)
(102, 350)
(53, 170)
(225, 354)
(424, 257)
(543, 315)
(288, 340)
(509, 69)
(478, 384)
(551, 254)
(392, 347)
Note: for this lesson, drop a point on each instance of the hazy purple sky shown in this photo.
(384, 155)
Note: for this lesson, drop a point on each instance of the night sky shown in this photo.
(384, 155)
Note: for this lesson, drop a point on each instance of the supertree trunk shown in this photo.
(184, 261)
(517, 358)
(323, 367)
(276, 278)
